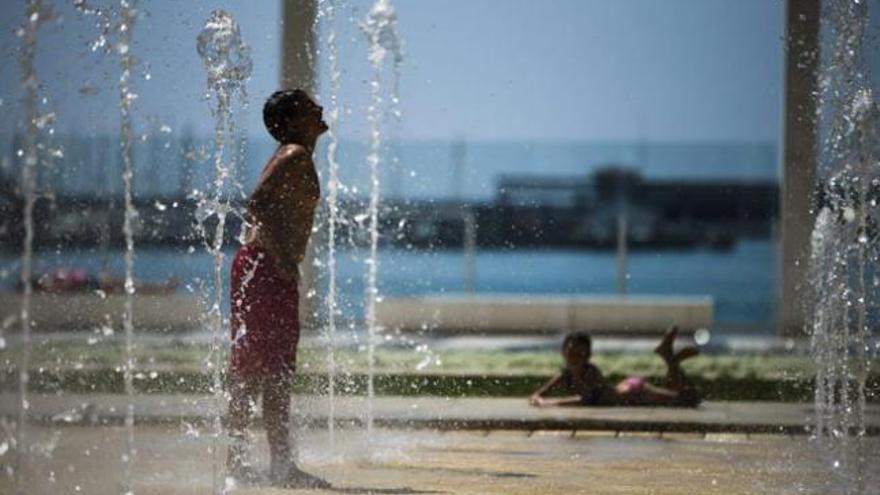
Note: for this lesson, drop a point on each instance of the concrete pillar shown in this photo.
(470, 249)
(299, 70)
(299, 44)
(797, 201)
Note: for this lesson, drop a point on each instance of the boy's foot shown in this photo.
(686, 353)
(664, 348)
(297, 478)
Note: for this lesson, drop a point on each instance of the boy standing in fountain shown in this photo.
(265, 272)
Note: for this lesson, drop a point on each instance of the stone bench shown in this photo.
(87, 310)
(544, 314)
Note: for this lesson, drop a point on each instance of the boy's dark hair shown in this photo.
(283, 114)
(579, 338)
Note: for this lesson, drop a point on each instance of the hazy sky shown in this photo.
(482, 69)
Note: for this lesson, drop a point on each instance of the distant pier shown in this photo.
(527, 212)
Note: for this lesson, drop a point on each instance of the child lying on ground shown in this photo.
(588, 387)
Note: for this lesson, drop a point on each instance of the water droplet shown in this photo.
(702, 336)
(100, 42)
(229, 484)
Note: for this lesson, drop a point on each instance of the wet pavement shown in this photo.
(719, 342)
(177, 460)
(442, 413)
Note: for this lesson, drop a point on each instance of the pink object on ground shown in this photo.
(631, 384)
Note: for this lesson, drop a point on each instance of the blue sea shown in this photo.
(742, 281)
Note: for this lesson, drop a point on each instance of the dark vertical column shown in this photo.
(299, 70)
(799, 162)
(299, 45)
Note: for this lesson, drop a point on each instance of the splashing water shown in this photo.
(380, 28)
(333, 218)
(35, 15)
(845, 254)
(128, 14)
(115, 28)
(228, 66)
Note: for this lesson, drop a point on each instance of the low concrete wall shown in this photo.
(89, 310)
(544, 314)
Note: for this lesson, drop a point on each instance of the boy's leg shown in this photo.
(243, 396)
(276, 416)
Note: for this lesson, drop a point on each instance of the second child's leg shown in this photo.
(676, 379)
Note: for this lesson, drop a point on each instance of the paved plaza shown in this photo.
(443, 413)
(177, 460)
(436, 445)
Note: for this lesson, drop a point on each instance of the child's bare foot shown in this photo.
(296, 478)
(687, 353)
(664, 348)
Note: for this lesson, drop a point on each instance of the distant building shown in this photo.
(658, 209)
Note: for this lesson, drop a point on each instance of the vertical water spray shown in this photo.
(844, 245)
(127, 14)
(228, 66)
(31, 85)
(333, 217)
(115, 28)
(380, 28)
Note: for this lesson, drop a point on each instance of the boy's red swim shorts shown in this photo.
(265, 315)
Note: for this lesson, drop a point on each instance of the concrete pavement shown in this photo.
(441, 413)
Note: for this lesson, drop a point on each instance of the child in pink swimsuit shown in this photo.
(588, 387)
